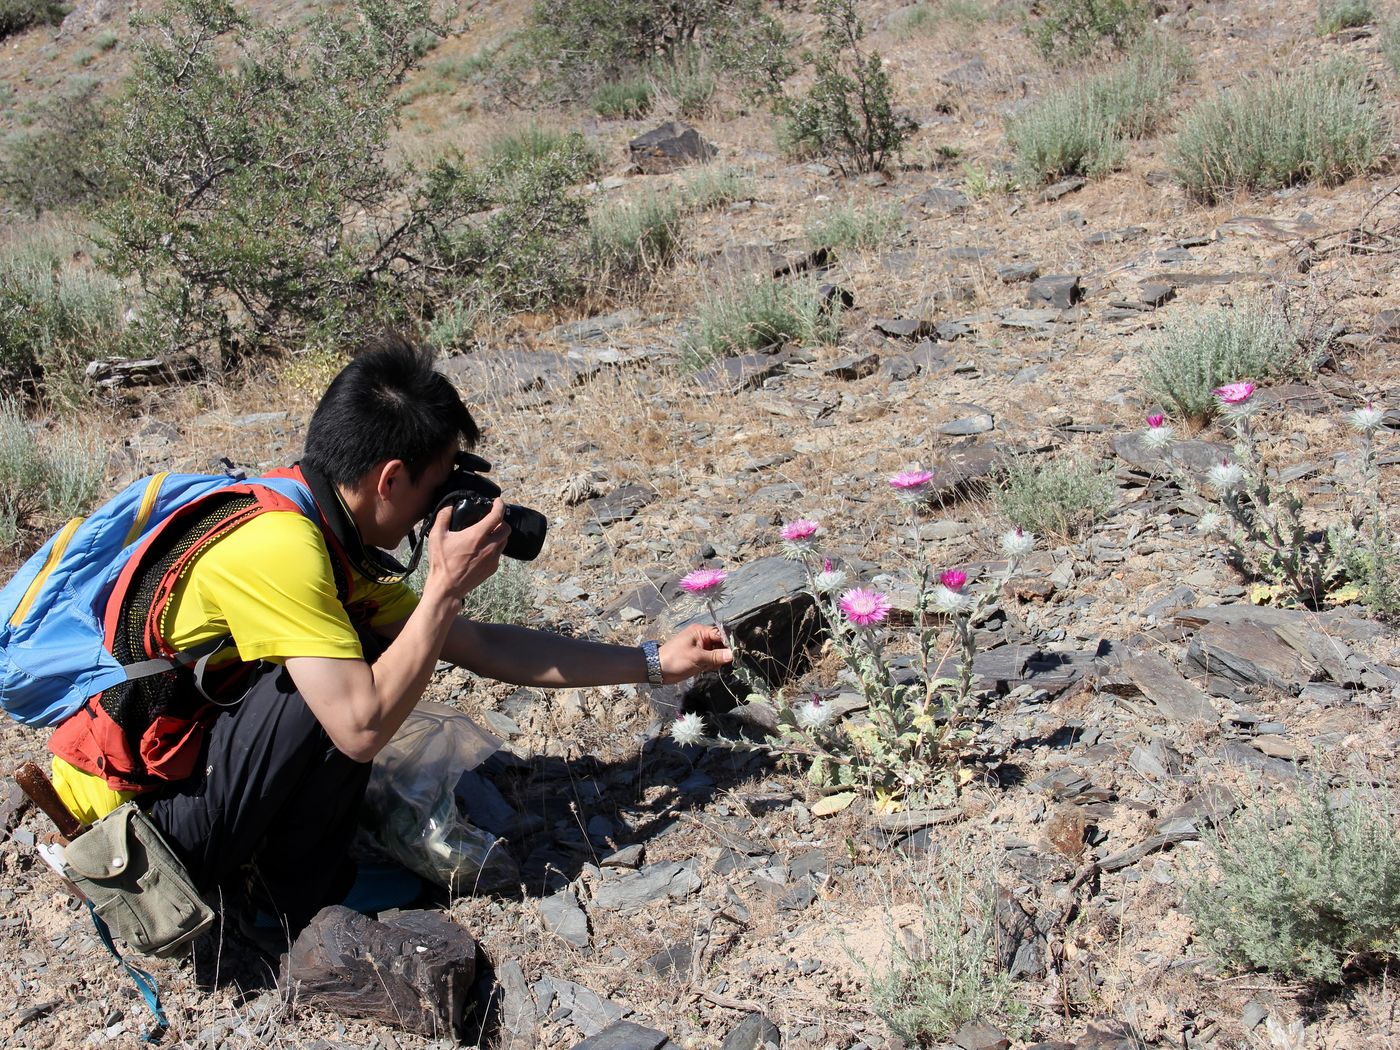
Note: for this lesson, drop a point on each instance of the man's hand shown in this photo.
(460, 561)
(698, 648)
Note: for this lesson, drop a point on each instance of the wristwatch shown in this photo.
(652, 651)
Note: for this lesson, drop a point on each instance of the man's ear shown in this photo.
(388, 475)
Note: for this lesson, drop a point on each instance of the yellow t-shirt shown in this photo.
(269, 586)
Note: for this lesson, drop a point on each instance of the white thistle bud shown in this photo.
(946, 600)
(829, 581)
(1209, 523)
(1225, 475)
(1158, 437)
(813, 715)
(1366, 419)
(1017, 543)
(688, 729)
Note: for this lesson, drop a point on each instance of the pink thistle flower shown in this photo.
(826, 565)
(864, 607)
(1234, 393)
(704, 583)
(801, 529)
(953, 579)
(1156, 420)
(911, 479)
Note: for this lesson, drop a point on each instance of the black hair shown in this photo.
(388, 403)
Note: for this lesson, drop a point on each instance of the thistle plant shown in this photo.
(912, 732)
(1264, 524)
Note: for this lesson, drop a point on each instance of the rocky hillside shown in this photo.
(1134, 691)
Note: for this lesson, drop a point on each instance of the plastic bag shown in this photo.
(411, 812)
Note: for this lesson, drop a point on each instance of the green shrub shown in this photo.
(1303, 126)
(848, 111)
(17, 15)
(1059, 498)
(1069, 30)
(1197, 351)
(755, 317)
(536, 144)
(947, 974)
(578, 44)
(257, 202)
(1333, 15)
(1082, 129)
(685, 83)
(926, 18)
(1390, 44)
(630, 242)
(623, 98)
(55, 315)
(507, 596)
(709, 187)
(854, 228)
(22, 479)
(43, 476)
(1303, 892)
(56, 162)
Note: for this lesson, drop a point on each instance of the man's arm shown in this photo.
(361, 706)
(523, 656)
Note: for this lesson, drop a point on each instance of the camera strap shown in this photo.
(371, 562)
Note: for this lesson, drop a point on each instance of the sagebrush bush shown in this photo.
(619, 99)
(685, 83)
(535, 143)
(929, 18)
(56, 162)
(1390, 44)
(754, 317)
(1311, 125)
(506, 596)
(1196, 351)
(56, 314)
(16, 15)
(854, 228)
(44, 477)
(1060, 498)
(946, 974)
(711, 187)
(629, 242)
(1304, 891)
(1081, 130)
(1069, 30)
(847, 112)
(1333, 15)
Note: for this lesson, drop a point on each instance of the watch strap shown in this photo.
(652, 651)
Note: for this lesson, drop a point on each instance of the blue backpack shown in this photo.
(53, 655)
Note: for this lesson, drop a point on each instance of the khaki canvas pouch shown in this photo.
(136, 884)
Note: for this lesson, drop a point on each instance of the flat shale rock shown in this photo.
(652, 883)
(668, 147)
(585, 1009)
(1060, 291)
(412, 970)
(751, 1033)
(627, 1035)
(729, 375)
(1249, 654)
(941, 200)
(1152, 676)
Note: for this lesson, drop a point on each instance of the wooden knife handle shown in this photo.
(35, 783)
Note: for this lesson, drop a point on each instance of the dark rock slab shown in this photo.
(654, 882)
(1335, 621)
(12, 803)
(1128, 857)
(729, 375)
(1058, 290)
(1015, 273)
(1248, 653)
(1022, 949)
(1153, 676)
(1193, 456)
(1263, 227)
(751, 1033)
(586, 1009)
(593, 328)
(969, 253)
(975, 420)
(941, 200)
(1117, 236)
(904, 328)
(970, 74)
(518, 1012)
(964, 470)
(1060, 189)
(411, 970)
(978, 1035)
(565, 919)
(852, 367)
(668, 147)
(1109, 1035)
(627, 1035)
(1233, 753)
(114, 374)
(674, 959)
(1212, 805)
(621, 504)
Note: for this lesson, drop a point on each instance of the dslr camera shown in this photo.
(470, 496)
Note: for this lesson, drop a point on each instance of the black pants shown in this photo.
(272, 789)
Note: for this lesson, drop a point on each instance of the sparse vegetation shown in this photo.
(848, 112)
(933, 16)
(56, 314)
(1082, 130)
(855, 228)
(1312, 125)
(1069, 30)
(1334, 15)
(1390, 44)
(623, 98)
(629, 242)
(16, 15)
(1197, 351)
(43, 477)
(56, 162)
(1060, 498)
(946, 974)
(1305, 891)
(754, 317)
(685, 83)
(713, 187)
